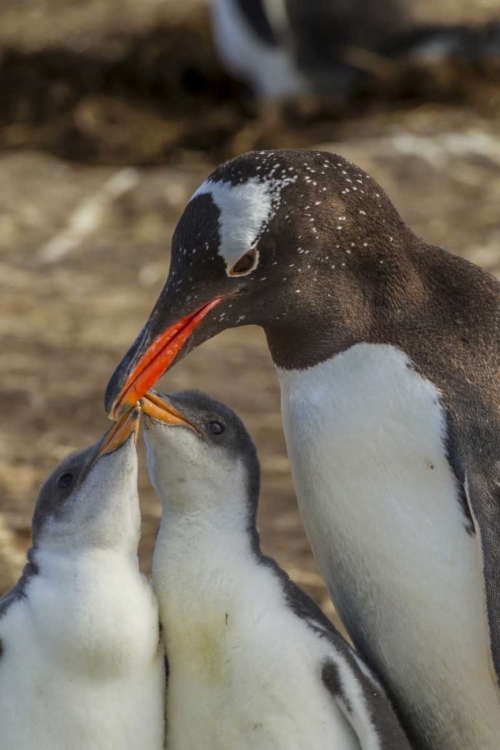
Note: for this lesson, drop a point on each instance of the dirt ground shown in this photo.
(88, 206)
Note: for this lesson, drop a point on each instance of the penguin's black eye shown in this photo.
(216, 428)
(65, 480)
(246, 263)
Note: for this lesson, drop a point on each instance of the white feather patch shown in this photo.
(245, 211)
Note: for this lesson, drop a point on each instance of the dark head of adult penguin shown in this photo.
(300, 242)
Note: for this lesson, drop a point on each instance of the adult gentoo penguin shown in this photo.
(286, 48)
(388, 355)
(80, 661)
(289, 48)
(253, 662)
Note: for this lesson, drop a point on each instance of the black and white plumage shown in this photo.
(253, 662)
(81, 665)
(388, 354)
(285, 49)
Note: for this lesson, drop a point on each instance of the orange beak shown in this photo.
(126, 426)
(149, 365)
(159, 408)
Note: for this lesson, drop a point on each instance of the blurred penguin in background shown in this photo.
(288, 49)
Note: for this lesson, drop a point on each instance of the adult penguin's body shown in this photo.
(388, 354)
(81, 665)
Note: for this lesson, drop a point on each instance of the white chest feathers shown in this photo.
(81, 665)
(367, 441)
(245, 672)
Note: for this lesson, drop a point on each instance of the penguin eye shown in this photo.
(245, 264)
(65, 480)
(216, 428)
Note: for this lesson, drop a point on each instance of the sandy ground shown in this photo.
(84, 250)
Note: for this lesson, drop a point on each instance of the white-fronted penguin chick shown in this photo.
(253, 662)
(81, 662)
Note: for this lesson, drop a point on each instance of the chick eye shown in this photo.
(245, 264)
(216, 428)
(65, 480)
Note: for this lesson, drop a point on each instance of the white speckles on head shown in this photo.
(245, 211)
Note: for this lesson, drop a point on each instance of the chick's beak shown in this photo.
(120, 432)
(159, 408)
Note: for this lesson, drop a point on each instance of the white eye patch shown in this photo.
(245, 211)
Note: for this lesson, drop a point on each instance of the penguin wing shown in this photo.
(483, 497)
(352, 685)
(363, 702)
(18, 590)
(15, 593)
(473, 438)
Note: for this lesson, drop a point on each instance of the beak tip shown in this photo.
(110, 398)
(153, 352)
(115, 401)
(121, 431)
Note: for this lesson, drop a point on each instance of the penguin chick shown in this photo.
(253, 662)
(80, 662)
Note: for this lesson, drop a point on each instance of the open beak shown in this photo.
(147, 360)
(126, 426)
(159, 408)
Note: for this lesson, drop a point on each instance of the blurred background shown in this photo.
(111, 113)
